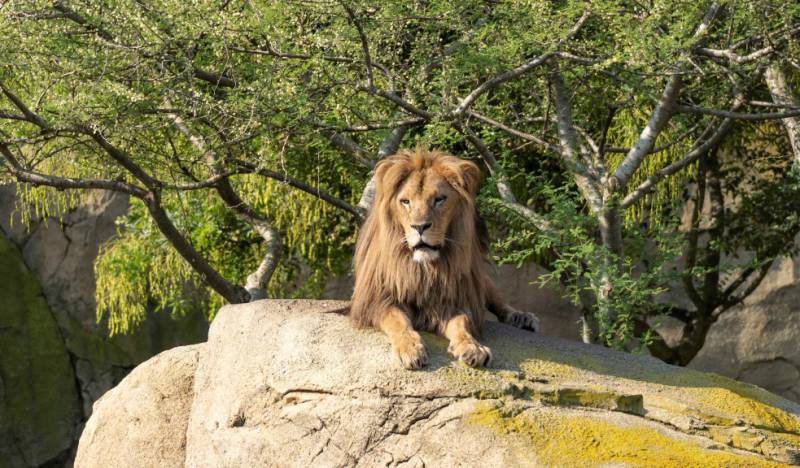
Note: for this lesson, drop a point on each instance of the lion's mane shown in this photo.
(430, 293)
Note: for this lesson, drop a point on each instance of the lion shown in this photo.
(420, 260)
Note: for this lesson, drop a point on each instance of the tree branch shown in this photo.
(647, 138)
(394, 98)
(729, 54)
(570, 148)
(692, 238)
(121, 157)
(782, 95)
(507, 196)
(349, 146)
(487, 85)
(731, 299)
(257, 281)
(663, 112)
(499, 79)
(231, 292)
(217, 79)
(512, 131)
(716, 226)
(648, 185)
(364, 44)
(737, 115)
(65, 183)
(322, 195)
(388, 147)
(29, 115)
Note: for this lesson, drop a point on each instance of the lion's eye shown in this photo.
(405, 202)
(439, 200)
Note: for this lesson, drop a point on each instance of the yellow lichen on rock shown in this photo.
(584, 441)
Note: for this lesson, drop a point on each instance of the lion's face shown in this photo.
(425, 194)
(425, 206)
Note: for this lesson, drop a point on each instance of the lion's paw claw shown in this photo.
(524, 320)
(410, 351)
(471, 352)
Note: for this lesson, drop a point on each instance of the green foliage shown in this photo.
(580, 265)
(293, 70)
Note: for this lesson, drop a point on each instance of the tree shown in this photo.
(588, 116)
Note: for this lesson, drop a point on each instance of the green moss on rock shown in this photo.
(582, 441)
(541, 372)
(40, 404)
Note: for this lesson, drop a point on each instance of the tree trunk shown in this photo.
(611, 239)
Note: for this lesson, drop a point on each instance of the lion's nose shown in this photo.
(421, 227)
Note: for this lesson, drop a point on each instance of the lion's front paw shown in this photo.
(471, 352)
(524, 320)
(409, 350)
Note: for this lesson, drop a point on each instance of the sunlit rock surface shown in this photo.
(290, 383)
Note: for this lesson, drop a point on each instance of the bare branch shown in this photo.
(322, 195)
(738, 115)
(577, 26)
(658, 120)
(525, 136)
(729, 54)
(370, 127)
(507, 196)
(499, 79)
(204, 184)
(600, 161)
(232, 293)
(29, 115)
(9, 116)
(663, 112)
(388, 147)
(392, 97)
(120, 156)
(732, 299)
(270, 51)
(258, 281)
(570, 148)
(217, 79)
(503, 186)
(364, 44)
(346, 144)
(65, 183)
(658, 149)
(782, 95)
(75, 17)
(690, 157)
(525, 68)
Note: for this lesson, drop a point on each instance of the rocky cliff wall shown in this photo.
(58, 255)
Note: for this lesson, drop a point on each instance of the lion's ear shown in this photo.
(463, 174)
(389, 173)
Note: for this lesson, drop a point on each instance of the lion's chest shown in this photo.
(431, 290)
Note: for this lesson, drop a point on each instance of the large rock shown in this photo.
(758, 342)
(148, 429)
(291, 383)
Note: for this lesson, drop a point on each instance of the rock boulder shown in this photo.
(291, 383)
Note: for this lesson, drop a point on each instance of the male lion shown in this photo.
(419, 260)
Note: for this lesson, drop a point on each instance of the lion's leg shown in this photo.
(507, 314)
(463, 346)
(407, 345)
